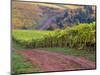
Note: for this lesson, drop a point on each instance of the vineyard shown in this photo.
(82, 36)
(52, 37)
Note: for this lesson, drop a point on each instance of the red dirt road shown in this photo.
(50, 61)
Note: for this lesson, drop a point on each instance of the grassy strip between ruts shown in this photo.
(74, 52)
(20, 65)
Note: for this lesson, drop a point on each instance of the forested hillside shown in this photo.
(45, 16)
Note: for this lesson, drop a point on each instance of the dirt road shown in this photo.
(50, 61)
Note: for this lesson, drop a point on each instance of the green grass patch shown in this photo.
(69, 51)
(29, 34)
(20, 65)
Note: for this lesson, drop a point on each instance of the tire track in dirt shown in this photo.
(50, 61)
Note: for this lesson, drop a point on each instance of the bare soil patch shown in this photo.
(50, 61)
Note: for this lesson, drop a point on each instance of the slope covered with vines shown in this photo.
(82, 36)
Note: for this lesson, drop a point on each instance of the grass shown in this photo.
(20, 65)
(28, 34)
(69, 51)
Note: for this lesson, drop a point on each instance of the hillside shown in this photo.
(43, 16)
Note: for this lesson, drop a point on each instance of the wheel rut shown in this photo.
(51, 61)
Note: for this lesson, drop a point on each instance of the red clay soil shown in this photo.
(50, 61)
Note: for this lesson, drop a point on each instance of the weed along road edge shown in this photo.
(52, 61)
